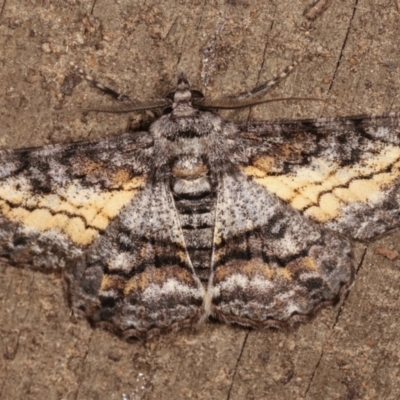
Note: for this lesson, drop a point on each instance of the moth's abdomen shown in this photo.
(192, 187)
(195, 200)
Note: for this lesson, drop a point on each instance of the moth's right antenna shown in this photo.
(250, 98)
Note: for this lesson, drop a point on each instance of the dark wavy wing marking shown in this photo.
(55, 200)
(341, 172)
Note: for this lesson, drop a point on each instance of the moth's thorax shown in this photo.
(186, 123)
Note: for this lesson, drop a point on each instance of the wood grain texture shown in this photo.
(138, 47)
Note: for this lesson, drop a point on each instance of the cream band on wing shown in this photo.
(323, 188)
(77, 211)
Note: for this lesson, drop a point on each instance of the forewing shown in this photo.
(56, 200)
(341, 172)
(271, 265)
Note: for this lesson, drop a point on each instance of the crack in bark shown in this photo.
(81, 376)
(340, 311)
(343, 45)
(237, 365)
(336, 321)
(3, 7)
(263, 60)
(262, 65)
(92, 8)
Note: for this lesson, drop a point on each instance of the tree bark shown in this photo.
(138, 47)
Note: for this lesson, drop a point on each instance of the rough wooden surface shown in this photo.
(138, 47)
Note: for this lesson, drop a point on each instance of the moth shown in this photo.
(251, 223)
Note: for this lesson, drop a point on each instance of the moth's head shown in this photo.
(182, 97)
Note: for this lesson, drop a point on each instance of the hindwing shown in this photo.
(271, 264)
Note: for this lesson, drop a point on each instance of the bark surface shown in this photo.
(138, 47)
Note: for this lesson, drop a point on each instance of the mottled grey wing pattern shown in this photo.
(276, 256)
(56, 200)
(95, 211)
(341, 172)
(137, 278)
(272, 265)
